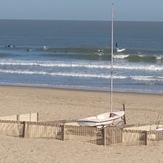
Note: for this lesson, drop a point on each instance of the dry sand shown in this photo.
(57, 104)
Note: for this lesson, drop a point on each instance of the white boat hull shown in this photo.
(102, 120)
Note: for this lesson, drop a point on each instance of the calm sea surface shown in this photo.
(65, 54)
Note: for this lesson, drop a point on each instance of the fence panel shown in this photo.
(11, 128)
(84, 134)
(133, 137)
(154, 137)
(32, 117)
(113, 136)
(21, 117)
(42, 130)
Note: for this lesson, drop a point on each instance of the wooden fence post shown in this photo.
(124, 114)
(22, 129)
(17, 117)
(146, 137)
(104, 136)
(37, 117)
(63, 132)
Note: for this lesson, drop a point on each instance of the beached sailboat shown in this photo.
(109, 118)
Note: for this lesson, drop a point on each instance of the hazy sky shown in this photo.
(134, 10)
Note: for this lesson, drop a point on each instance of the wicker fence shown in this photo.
(60, 131)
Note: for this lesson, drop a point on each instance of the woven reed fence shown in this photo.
(60, 131)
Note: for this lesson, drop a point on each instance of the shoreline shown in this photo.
(78, 89)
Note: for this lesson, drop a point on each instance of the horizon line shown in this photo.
(81, 20)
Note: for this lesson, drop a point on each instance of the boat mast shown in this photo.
(111, 75)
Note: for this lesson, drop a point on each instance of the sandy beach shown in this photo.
(60, 104)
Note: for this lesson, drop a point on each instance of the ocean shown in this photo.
(76, 55)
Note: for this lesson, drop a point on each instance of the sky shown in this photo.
(124, 10)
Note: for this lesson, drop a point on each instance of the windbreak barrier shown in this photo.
(42, 130)
(57, 130)
(12, 128)
(134, 137)
(113, 136)
(32, 117)
(84, 134)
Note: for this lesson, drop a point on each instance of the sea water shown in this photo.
(77, 55)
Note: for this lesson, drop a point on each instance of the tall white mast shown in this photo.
(111, 75)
